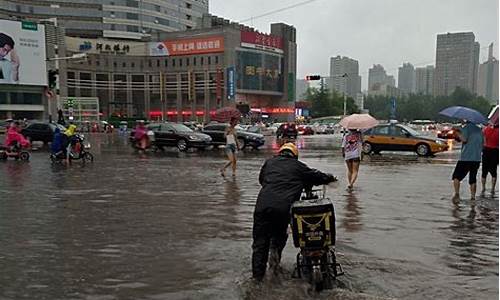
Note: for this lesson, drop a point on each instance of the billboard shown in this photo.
(256, 40)
(231, 90)
(204, 45)
(22, 53)
(259, 71)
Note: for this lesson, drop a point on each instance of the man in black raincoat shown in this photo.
(282, 179)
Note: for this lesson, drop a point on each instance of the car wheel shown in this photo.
(241, 143)
(182, 145)
(423, 150)
(367, 148)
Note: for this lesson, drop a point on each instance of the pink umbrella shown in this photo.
(493, 116)
(225, 114)
(358, 121)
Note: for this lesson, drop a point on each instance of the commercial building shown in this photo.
(487, 85)
(344, 76)
(123, 19)
(379, 83)
(424, 78)
(406, 78)
(457, 61)
(188, 75)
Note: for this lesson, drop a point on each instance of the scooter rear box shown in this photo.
(313, 223)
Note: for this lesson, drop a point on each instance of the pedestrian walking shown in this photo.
(232, 146)
(490, 157)
(352, 146)
(471, 137)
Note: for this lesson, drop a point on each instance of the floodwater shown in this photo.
(168, 226)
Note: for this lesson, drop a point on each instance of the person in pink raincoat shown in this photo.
(15, 137)
(140, 136)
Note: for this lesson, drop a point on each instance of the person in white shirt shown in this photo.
(9, 69)
(232, 146)
(352, 146)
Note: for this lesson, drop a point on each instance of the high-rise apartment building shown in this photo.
(457, 60)
(377, 76)
(344, 76)
(487, 83)
(123, 19)
(406, 78)
(424, 78)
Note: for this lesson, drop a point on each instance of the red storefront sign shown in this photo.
(261, 39)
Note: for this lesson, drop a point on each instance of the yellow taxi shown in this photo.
(398, 137)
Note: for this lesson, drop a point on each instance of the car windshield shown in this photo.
(411, 130)
(181, 128)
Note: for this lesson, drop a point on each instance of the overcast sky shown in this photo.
(387, 32)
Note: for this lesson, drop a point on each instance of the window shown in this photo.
(132, 16)
(132, 64)
(31, 10)
(188, 17)
(164, 22)
(157, 8)
(150, 64)
(124, 64)
(180, 62)
(201, 60)
(89, 62)
(173, 62)
(132, 28)
(97, 63)
(382, 130)
(113, 27)
(132, 3)
(158, 63)
(194, 61)
(208, 60)
(18, 8)
(115, 64)
(71, 75)
(216, 60)
(166, 128)
(166, 63)
(188, 5)
(187, 61)
(189, 27)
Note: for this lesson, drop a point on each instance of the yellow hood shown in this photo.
(71, 130)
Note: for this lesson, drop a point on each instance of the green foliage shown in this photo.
(421, 107)
(326, 103)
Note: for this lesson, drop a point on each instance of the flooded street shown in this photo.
(168, 226)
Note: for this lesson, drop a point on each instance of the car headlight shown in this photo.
(194, 137)
(440, 142)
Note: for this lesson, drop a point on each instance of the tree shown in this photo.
(328, 103)
(414, 107)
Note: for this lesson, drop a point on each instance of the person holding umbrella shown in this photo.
(471, 137)
(352, 143)
(232, 146)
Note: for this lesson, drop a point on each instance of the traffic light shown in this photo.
(53, 78)
(313, 77)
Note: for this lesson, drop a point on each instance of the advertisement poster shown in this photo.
(260, 41)
(259, 71)
(212, 44)
(22, 53)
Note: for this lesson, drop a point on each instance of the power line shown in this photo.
(277, 10)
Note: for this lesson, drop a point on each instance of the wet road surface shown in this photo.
(168, 226)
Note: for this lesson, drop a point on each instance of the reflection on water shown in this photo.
(168, 226)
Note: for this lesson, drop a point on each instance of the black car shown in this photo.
(41, 131)
(178, 135)
(245, 138)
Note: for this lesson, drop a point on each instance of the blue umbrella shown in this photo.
(464, 113)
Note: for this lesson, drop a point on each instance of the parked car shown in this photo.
(397, 137)
(216, 132)
(448, 133)
(41, 131)
(193, 126)
(305, 130)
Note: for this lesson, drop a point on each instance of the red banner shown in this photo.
(261, 39)
(188, 46)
